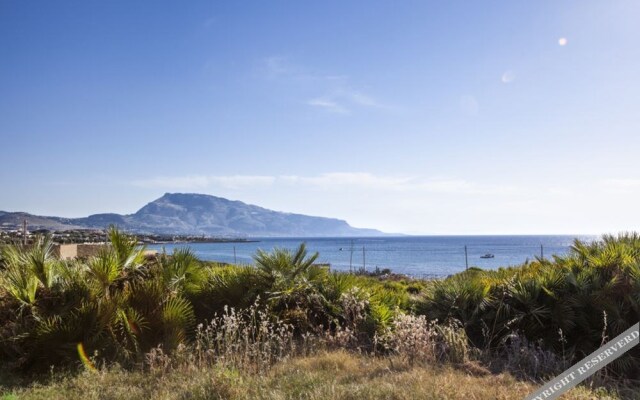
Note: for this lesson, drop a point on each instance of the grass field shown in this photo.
(328, 375)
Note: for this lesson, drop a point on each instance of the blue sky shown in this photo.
(423, 117)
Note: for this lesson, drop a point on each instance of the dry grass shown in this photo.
(330, 375)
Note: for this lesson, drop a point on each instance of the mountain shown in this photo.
(199, 214)
(14, 220)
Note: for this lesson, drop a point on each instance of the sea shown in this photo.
(418, 256)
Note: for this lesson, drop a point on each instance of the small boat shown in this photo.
(488, 255)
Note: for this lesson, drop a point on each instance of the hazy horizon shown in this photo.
(416, 117)
(386, 233)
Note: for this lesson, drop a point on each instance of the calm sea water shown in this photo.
(422, 256)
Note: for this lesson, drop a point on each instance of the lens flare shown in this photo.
(85, 360)
(563, 41)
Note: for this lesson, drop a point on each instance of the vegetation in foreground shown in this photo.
(326, 375)
(163, 317)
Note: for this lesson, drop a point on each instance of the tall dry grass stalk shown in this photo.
(249, 339)
(417, 340)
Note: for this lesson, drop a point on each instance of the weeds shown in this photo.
(249, 339)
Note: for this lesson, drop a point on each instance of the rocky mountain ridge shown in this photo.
(198, 214)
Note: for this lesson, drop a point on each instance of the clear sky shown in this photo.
(431, 117)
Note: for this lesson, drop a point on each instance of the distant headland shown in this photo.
(198, 216)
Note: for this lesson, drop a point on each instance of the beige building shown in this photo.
(83, 250)
(70, 251)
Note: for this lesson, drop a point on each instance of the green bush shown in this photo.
(570, 304)
(121, 305)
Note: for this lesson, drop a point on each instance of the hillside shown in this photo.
(199, 214)
(10, 220)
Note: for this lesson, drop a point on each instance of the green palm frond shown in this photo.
(282, 263)
(104, 269)
(127, 252)
(20, 283)
(382, 315)
(183, 271)
(228, 285)
(41, 260)
(177, 319)
(26, 268)
(127, 326)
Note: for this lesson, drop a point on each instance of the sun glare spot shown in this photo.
(562, 41)
(508, 77)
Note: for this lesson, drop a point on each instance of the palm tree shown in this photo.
(127, 253)
(116, 264)
(182, 271)
(28, 268)
(294, 285)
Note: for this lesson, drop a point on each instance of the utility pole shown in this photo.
(24, 232)
(364, 263)
(466, 258)
(351, 258)
(235, 260)
(541, 252)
